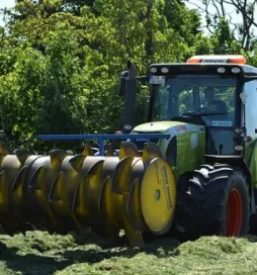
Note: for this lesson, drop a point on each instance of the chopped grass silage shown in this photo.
(40, 253)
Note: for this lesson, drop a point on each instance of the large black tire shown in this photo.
(213, 201)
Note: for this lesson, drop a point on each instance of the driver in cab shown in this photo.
(213, 105)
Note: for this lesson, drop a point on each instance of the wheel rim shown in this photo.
(234, 213)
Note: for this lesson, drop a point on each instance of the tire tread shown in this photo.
(200, 208)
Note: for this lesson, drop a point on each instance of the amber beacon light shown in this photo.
(224, 59)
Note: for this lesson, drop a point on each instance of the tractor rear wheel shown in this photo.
(214, 201)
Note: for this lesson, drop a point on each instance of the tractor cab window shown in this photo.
(217, 104)
(211, 97)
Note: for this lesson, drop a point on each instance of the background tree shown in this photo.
(240, 19)
(60, 61)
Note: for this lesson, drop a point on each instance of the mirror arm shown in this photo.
(130, 99)
(128, 89)
(249, 78)
(144, 78)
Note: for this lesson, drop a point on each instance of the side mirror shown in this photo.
(122, 85)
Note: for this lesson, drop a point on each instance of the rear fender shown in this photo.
(235, 161)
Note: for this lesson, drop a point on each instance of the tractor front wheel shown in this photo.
(214, 201)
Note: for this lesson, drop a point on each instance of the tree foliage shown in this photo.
(235, 18)
(60, 60)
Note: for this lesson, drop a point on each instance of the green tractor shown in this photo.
(207, 106)
(190, 169)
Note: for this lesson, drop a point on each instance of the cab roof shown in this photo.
(226, 64)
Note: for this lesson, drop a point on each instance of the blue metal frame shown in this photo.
(102, 137)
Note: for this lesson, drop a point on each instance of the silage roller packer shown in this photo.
(132, 191)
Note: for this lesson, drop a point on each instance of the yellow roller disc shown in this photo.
(158, 195)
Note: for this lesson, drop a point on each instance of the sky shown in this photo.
(5, 4)
(229, 9)
(190, 4)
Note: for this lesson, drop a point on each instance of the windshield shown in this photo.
(211, 97)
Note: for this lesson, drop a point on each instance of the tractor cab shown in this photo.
(218, 92)
(204, 97)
